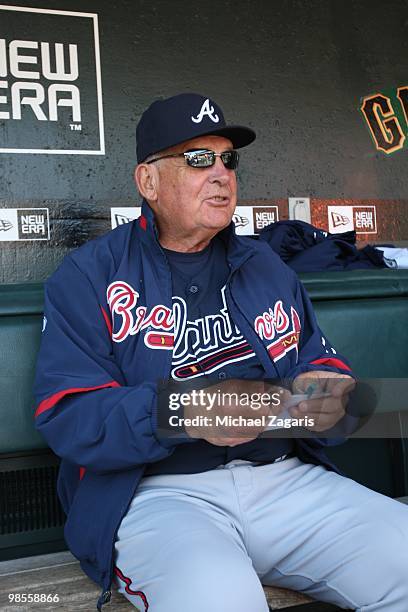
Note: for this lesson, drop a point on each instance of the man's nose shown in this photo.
(219, 173)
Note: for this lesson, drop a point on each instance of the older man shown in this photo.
(196, 521)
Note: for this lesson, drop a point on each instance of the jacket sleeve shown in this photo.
(84, 409)
(315, 350)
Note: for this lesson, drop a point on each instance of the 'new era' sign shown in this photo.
(50, 82)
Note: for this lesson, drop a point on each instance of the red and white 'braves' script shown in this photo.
(202, 345)
(122, 299)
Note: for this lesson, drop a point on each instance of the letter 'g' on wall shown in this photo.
(383, 122)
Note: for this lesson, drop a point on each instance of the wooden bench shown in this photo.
(60, 573)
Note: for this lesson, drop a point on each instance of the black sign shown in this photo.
(50, 82)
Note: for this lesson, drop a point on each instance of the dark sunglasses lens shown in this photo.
(200, 159)
(205, 159)
(230, 159)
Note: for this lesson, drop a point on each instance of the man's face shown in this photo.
(194, 202)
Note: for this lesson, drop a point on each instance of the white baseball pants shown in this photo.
(205, 542)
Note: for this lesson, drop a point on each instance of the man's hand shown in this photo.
(326, 411)
(264, 400)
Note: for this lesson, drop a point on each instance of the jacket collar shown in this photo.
(147, 223)
(238, 249)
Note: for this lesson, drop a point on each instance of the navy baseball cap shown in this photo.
(169, 122)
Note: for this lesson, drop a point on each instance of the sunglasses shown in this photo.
(204, 158)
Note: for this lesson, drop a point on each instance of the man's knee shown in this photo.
(219, 588)
(380, 575)
(203, 592)
(209, 573)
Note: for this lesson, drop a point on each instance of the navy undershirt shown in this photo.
(198, 279)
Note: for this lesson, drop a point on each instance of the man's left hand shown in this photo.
(325, 411)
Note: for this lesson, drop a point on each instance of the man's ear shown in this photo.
(147, 180)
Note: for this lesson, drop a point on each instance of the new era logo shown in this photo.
(121, 219)
(5, 225)
(339, 219)
(362, 219)
(240, 221)
(50, 82)
(250, 220)
(24, 224)
(33, 224)
(365, 219)
(264, 216)
(123, 214)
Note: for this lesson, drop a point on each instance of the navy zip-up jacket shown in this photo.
(99, 362)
